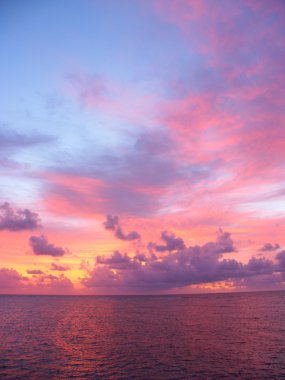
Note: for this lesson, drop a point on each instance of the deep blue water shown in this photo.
(219, 336)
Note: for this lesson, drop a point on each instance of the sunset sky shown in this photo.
(142, 146)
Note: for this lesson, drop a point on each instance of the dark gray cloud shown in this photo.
(112, 223)
(268, 247)
(41, 246)
(18, 219)
(179, 267)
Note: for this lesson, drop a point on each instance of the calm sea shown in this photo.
(221, 336)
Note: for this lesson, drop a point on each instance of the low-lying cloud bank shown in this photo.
(12, 282)
(159, 268)
(181, 266)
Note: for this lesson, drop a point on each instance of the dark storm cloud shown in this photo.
(17, 219)
(41, 246)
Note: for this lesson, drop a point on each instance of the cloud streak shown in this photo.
(58, 267)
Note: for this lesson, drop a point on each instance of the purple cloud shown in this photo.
(117, 261)
(268, 247)
(34, 271)
(41, 246)
(10, 139)
(260, 265)
(58, 267)
(10, 280)
(224, 243)
(180, 267)
(112, 224)
(17, 220)
(134, 181)
(280, 257)
(48, 283)
(172, 243)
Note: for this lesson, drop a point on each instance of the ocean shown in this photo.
(211, 336)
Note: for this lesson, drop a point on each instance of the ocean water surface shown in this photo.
(216, 336)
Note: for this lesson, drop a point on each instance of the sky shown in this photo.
(142, 146)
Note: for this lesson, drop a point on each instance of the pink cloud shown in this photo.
(12, 282)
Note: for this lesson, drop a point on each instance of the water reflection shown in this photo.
(172, 337)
